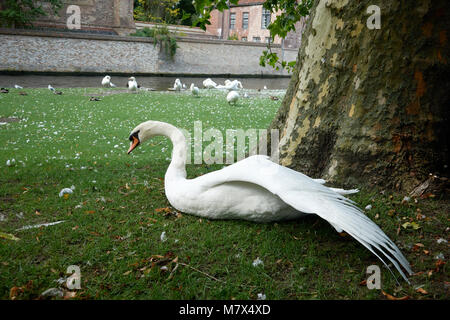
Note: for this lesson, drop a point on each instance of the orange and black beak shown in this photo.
(134, 141)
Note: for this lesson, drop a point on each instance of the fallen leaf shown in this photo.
(391, 297)
(427, 195)
(413, 225)
(89, 211)
(14, 292)
(127, 273)
(8, 236)
(439, 263)
(166, 210)
(363, 283)
(422, 291)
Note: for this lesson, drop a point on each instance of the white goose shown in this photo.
(260, 190)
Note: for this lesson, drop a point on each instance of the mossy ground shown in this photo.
(114, 219)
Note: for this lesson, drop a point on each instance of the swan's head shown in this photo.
(132, 78)
(142, 132)
(107, 77)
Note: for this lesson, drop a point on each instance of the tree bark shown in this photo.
(366, 106)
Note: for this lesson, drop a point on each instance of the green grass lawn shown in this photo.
(114, 219)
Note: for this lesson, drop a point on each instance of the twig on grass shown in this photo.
(208, 275)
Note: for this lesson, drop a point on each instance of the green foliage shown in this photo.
(156, 11)
(165, 11)
(233, 36)
(23, 12)
(292, 11)
(162, 36)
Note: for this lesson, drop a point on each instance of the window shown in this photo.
(267, 39)
(245, 20)
(265, 18)
(232, 20)
(256, 39)
(244, 39)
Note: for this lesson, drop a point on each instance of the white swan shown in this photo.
(132, 84)
(209, 84)
(260, 190)
(177, 85)
(195, 91)
(106, 81)
(231, 85)
(232, 97)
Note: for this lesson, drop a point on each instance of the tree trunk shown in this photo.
(366, 106)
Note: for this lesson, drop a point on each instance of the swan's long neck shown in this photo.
(177, 167)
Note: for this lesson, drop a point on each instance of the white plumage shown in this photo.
(132, 84)
(177, 85)
(51, 88)
(195, 91)
(231, 85)
(209, 84)
(17, 86)
(260, 190)
(106, 81)
(232, 97)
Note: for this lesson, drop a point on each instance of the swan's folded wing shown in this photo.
(308, 196)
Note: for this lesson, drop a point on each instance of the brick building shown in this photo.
(248, 21)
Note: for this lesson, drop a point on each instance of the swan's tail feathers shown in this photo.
(344, 192)
(342, 214)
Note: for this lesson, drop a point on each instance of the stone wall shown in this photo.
(33, 51)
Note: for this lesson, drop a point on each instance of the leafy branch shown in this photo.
(162, 36)
(291, 13)
(22, 13)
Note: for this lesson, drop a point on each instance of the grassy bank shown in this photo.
(114, 219)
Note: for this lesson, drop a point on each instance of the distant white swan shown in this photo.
(231, 85)
(232, 97)
(195, 91)
(177, 85)
(260, 190)
(51, 88)
(209, 84)
(106, 81)
(132, 84)
(17, 86)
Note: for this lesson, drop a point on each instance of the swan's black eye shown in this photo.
(134, 134)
